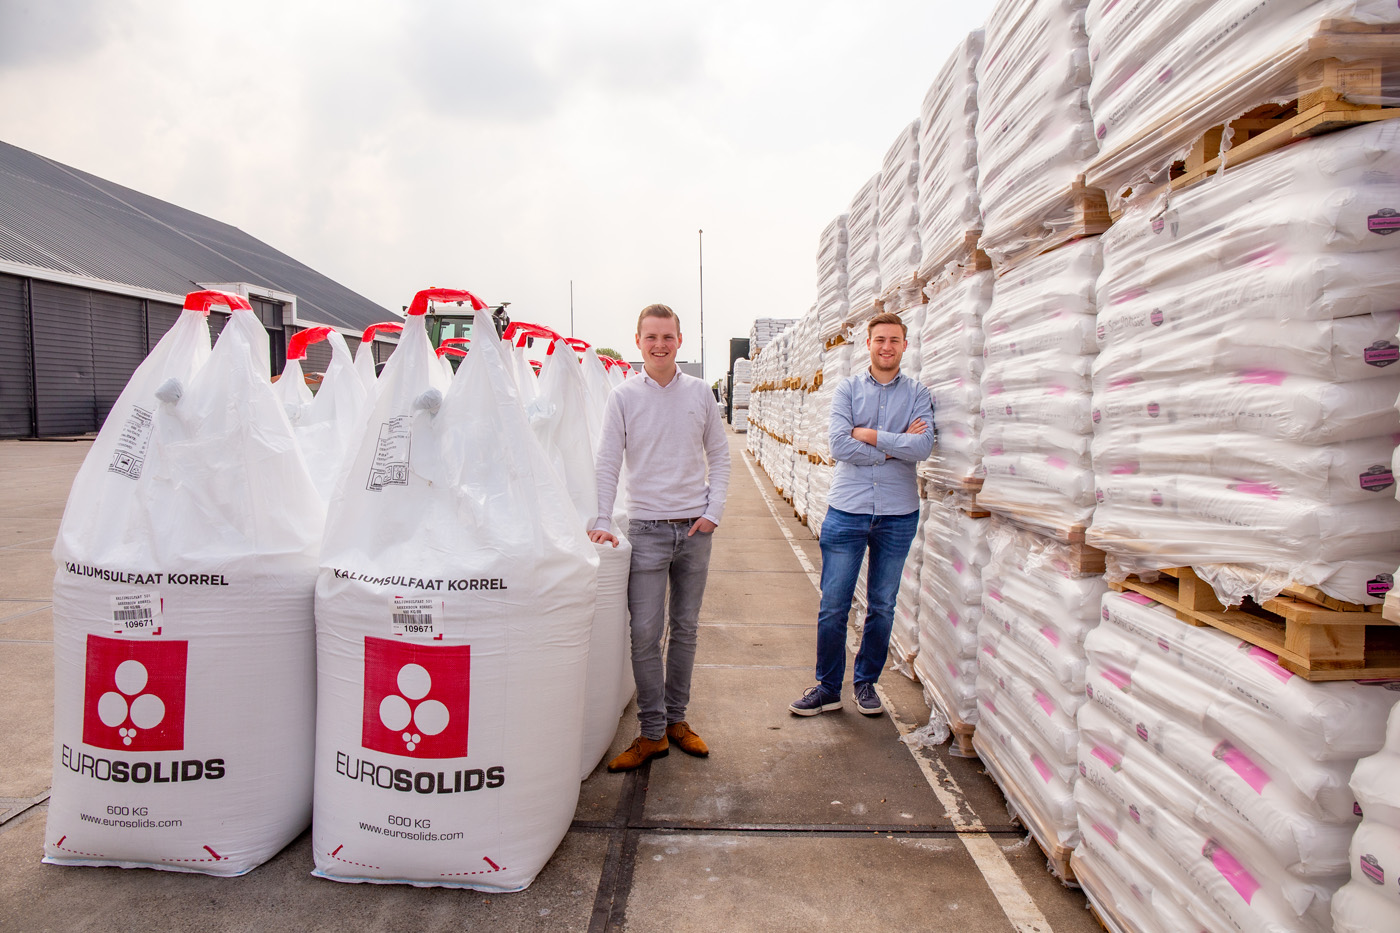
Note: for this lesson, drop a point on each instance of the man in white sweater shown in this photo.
(666, 427)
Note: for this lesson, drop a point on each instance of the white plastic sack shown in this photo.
(183, 635)
(453, 610)
(328, 425)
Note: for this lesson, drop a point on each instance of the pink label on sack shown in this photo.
(958, 564)
(954, 618)
(1381, 353)
(1262, 377)
(1243, 765)
(1119, 679)
(995, 594)
(989, 649)
(1138, 598)
(991, 705)
(1052, 636)
(1231, 870)
(1123, 383)
(1371, 867)
(1056, 462)
(1267, 490)
(1046, 703)
(1384, 221)
(1128, 295)
(1269, 661)
(1108, 756)
(953, 669)
(1055, 390)
(1108, 832)
(1042, 768)
(1127, 468)
(1377, 478)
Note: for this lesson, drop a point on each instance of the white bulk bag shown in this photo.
(327, 424)
(183, 633)
(453, 609)
(364, 355)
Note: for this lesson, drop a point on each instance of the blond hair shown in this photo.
(888, 317)
(658, 311)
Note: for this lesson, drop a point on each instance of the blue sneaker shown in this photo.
(815, 701)
(868, 701)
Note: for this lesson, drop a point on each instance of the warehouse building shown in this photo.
(92, 274)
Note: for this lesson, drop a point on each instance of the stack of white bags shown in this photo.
(863, 253)
(951, 365)
(955, 552)
(1371, 900)
(1214, 787)
(832, 305)
(1034, 131)
(949, 208)
(1037, 612)
(904, 632)
(1244, 393)
(1038, 340)
(898, 226)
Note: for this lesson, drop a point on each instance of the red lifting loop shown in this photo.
(388, 327)
(296, 347)
(578, 343)
(521, 331)
(443, 295)
(454, 341)
(455, 351)
(203, 301)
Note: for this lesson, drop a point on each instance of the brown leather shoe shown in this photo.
(686, 739)
(639, 753)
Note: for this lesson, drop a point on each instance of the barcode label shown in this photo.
(415, 615)
(136, 613)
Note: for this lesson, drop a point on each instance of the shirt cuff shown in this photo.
(711, 519)
(602, 524)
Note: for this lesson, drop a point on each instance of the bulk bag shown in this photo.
(365, 366)
(183, 628)
(453, 611)
(327, 424)
(560, 418)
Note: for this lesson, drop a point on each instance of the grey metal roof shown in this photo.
(58, 218)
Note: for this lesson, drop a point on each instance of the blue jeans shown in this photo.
(845, 538)
(664, 558)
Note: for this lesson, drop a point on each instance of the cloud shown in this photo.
(48, 30)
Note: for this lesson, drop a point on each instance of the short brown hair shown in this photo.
(658, 311)
(888, 317)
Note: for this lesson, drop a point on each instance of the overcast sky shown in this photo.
(507, 148)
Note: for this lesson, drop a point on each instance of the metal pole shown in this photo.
(571, 307)
(702, 304)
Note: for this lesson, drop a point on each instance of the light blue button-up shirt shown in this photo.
(878, 480)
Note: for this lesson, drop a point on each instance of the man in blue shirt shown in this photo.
(881, 427)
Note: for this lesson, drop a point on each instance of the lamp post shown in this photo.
(702, 304)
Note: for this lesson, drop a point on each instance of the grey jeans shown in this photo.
(662, 554)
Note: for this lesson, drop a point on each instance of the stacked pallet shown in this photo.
(763, 331)
(832, 303)
(1371, 899)
(951, 345)
(905, 630)
(1040, 602)
(950, 213)
(1213, 790)
(743, 394)
(898, 224)
(863, 253)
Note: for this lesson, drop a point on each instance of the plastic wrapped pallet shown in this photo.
(184, 640)
(1164, 74)
(1243, 395)
(949, 209)
(1206, 760)
(1034, 130)
(951, 365)
(863, 285)
(1037, 610)
(898, 226)
(950, 609)
(1371, 899)
(1038, 341)
(909, 304)
(904, 632)
(453, 614)
(832, 304)
(764, 330)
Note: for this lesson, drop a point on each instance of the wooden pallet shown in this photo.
(1314, 641)
(1088, 207)
(1044, 525)
(962, 732)
(1023, 806)
(836, 341)
(1100, 906)
(1390, 609)
(967, 255)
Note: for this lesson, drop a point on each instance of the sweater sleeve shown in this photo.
(609, 462)
(717, 459)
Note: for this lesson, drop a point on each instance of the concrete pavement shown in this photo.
(790, 824)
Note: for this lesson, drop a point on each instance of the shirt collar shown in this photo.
(646, 377)
(876, 383)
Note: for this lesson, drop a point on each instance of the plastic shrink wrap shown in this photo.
(951, 367)
(1038, 342)
(1202, 759)
(1037, 611)
(898, 225)
(832, 304)
(453, 611)
(1244, 390)
(1034, 131)
(1371, 899)
(949, 210)
(1164, 74)
(904, 633)
(184, 641)
(863, 284)
(950, 608)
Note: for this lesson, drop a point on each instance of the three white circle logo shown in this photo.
(429, 717)
(145, 710)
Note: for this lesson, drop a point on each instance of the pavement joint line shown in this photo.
(18, 806)
(21, 615)
(1015, 901)
(752, 667)
(615, 880)
(25, 641)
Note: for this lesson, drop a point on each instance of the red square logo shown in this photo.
(134, 699)
(416, 698)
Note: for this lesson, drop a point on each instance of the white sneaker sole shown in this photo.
(824, 708)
